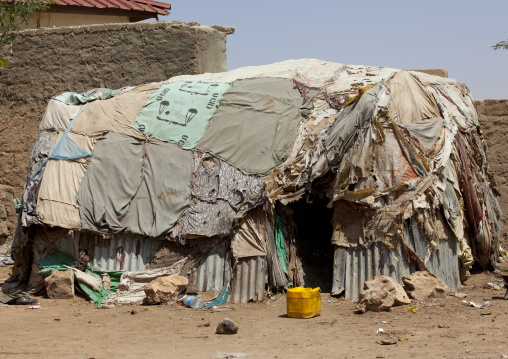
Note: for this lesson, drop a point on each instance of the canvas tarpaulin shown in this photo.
(426, 132)
(255, 127)
(141, 186)
(57, 205)
(250, 236)
(412, 101)
(58, 116)
(179, 112)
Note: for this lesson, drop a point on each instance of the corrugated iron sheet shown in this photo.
(213, 271)
(119, 252)
(124, 253)
(352, 267)
(247, 283)
(249, 280)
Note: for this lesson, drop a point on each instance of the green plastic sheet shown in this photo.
(281, 247)
(56, 261)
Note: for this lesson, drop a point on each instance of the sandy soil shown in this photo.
(440, 328)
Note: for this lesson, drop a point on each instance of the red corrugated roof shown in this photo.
(157, 7)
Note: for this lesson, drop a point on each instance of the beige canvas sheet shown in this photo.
(57, 205)
(250, 236)
(412, 101)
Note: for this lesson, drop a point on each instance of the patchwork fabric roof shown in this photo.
(191, 156)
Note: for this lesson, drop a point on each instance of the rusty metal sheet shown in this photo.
(352, 267)
(248, 283)
(118, 252)
(213, 271)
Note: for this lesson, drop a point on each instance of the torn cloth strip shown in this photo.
(221, 299)
(40, 153)
(281, 246)
(179, 112)
(352, 121)
(75, 98)
(220, 194)
(473, 209)
(140, 186)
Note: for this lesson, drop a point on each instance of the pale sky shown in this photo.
(455, 35)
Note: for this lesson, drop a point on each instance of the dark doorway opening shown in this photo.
(313, 243)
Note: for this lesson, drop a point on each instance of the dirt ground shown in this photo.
(440, 328)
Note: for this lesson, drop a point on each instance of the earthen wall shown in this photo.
(46, 62)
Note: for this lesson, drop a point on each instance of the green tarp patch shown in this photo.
(179, 112)
(56, 260)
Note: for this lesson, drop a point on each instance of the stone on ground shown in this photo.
(423, 285)
(60, 284)
(382, 293)
(165, 289)
(226, 326)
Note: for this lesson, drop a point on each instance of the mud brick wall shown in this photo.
(493, 115)
(46, 62)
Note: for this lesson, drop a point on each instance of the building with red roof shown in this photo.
(89, 12)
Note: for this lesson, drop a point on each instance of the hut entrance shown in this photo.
(313, 252)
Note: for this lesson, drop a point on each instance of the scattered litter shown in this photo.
(388, 341)
(56, 319)
(384, 321)
(403, 339)
(479, 306)
(6, 261)
(413, 310)
(459, 295)
(380, 330)
(495, 285)
(222, 355)
(34, 307)
(486, 313)
(218, 308)
(443, 326)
